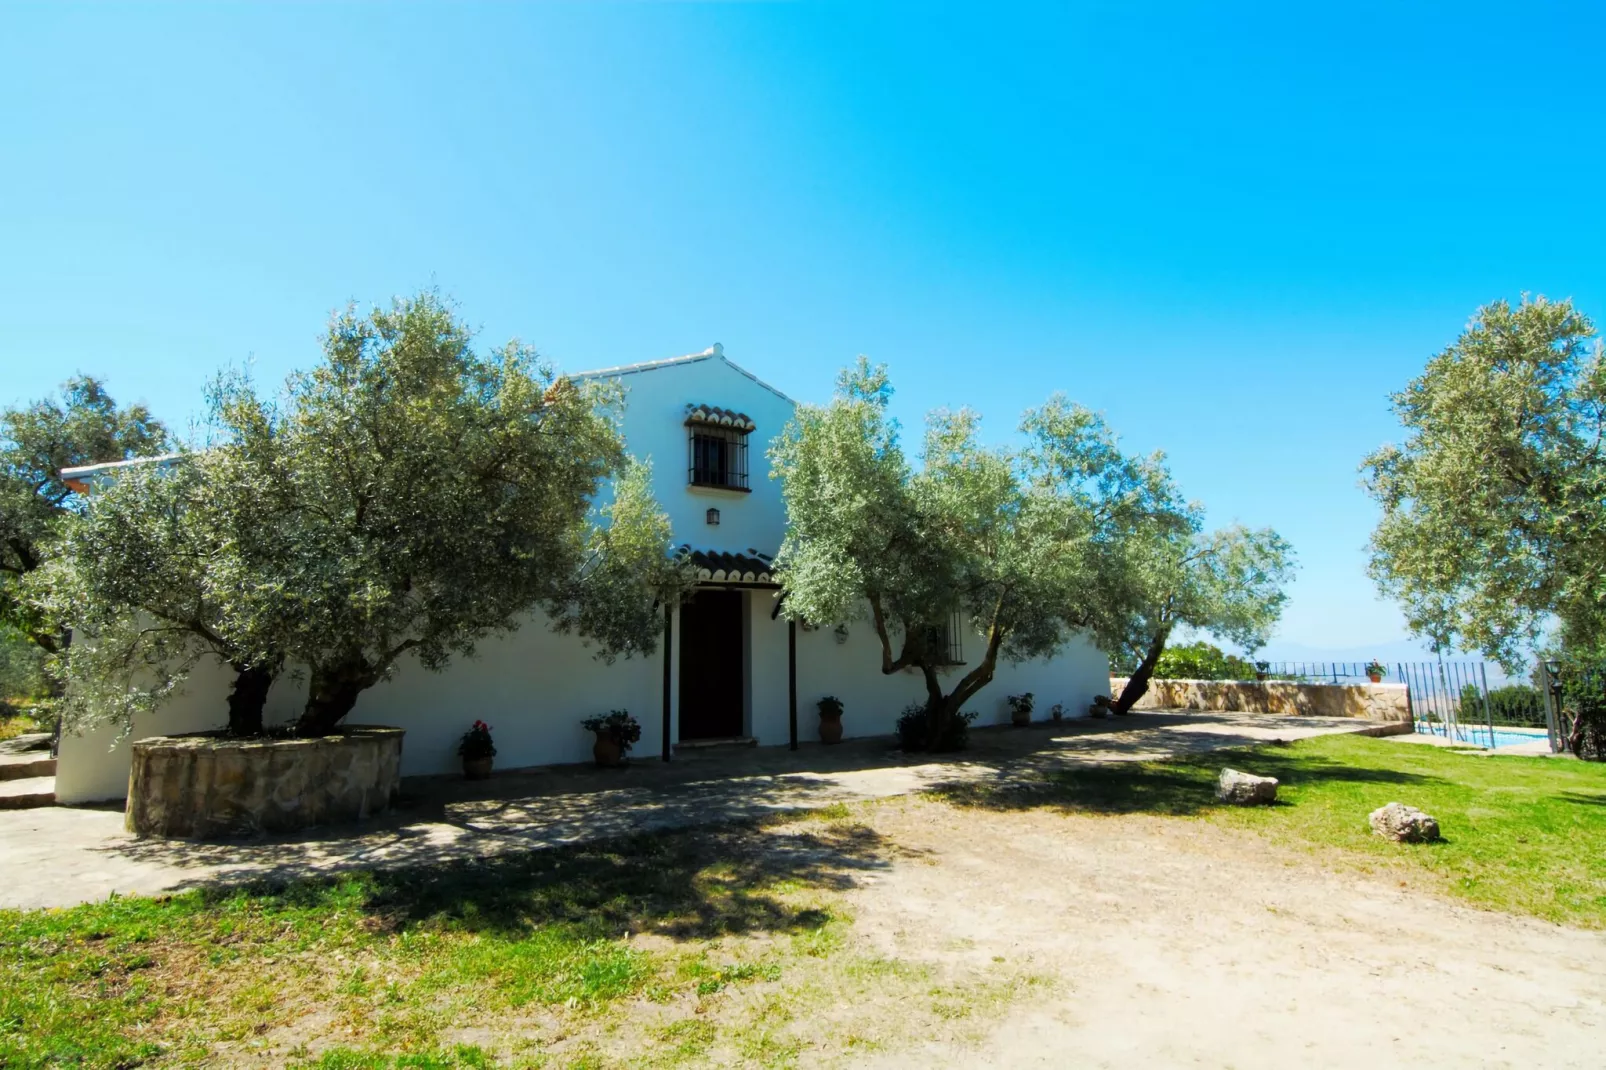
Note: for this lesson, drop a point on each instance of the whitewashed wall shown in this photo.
(93, 766)
(852, 672)
(534, 687)
(654, 429)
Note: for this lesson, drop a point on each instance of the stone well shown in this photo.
(207, 787)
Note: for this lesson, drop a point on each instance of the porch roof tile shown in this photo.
(719, 566)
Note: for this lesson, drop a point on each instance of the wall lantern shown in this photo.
(1553, 670)
(713, 517)
(841, 631)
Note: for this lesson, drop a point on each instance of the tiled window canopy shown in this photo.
(713, 416)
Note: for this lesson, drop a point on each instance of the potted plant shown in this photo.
(830, 719)
(1057, 711)
(1375, 671)
(1100, 706)
(616, 732)
(477, 750)
(1020, 709)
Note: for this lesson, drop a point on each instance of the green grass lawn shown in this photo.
(401, 956)
(1526, 835)
(696, 947)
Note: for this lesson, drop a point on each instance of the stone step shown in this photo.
(701, 748)
(23, 766)
(27, 794)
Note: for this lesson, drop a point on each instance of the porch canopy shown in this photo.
(719, 567)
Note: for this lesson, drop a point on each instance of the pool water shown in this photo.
(1479, 736)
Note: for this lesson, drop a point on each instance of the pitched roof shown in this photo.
(718, 566)
(713, 352)
(82, 474)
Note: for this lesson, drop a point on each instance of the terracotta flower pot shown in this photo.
(1020, 718)
(830, 728)
(477, 768)
(607, 752)
(1375, 677)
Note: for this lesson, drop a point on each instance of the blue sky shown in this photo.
(1233, 228)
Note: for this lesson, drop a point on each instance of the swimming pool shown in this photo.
(1479, 735)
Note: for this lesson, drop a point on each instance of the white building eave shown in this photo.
(713, 352)
(86, 472)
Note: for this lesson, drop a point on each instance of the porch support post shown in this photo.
(791, 678)
(669, 649)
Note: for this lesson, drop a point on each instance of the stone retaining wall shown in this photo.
(205, 787)
(1375, 702)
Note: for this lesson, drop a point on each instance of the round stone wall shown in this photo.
(208, 787)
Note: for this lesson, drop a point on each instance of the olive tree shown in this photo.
(427, 496)
(22, 673)
(151, 572)
(1494, 507)
(1022, 546)
(408, 495)
(1227, 583)
(84, 426)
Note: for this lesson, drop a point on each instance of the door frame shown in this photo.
(744, 604)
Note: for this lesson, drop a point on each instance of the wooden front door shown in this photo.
(712, 665)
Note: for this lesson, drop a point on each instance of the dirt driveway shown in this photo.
(1171, 943)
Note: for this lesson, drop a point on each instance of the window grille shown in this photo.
(718, 457)
(945, 641)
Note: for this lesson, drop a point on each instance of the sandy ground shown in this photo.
(1179, 944)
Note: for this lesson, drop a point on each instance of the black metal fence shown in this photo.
(1455, 700)
(1452, 699)
(1333, 672)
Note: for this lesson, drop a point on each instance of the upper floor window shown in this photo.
(717, 447)
(945, 641)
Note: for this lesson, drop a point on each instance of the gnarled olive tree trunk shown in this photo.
(1137, 685)
(249, 696)
(335, 687)
(330, 696)
(944, 726)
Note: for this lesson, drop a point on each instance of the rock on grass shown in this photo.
(1246, 789)
(1404, 824)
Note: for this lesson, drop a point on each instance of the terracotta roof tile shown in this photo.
(713, 416)
(719, 566)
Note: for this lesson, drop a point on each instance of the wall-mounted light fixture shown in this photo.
(713, 517)
(841, 633)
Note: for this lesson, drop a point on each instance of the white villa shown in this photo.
(730, 669)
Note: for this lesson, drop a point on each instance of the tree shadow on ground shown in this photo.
(1179, 788)
(685, 884)
(1582, 798)
(426, 831)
